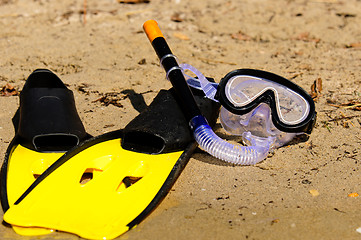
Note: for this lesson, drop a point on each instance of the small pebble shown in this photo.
(354, 194)
(358, 230)
(275, 221)
(314, 192)
(306, 181)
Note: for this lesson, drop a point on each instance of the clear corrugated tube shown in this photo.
(228, 152)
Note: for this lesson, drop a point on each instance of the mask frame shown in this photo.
(268, 97)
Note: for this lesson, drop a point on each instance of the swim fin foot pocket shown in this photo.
(48, 120)
(115, 179)
(46, 126)
(162, 127)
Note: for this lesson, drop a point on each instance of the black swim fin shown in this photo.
(46, 125)
(129, 172)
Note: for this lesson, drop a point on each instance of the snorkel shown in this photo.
(258, 146)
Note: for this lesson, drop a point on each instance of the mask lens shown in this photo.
(291, 107)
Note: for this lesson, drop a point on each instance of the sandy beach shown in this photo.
(305, 190)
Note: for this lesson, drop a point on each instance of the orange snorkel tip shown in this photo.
(152, 30)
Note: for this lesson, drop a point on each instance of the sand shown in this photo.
(301, 191)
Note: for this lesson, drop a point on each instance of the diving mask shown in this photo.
(265, 109)
(292, 109)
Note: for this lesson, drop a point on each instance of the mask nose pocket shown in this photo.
(260, 121)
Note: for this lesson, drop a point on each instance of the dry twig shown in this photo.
(8, 90)
(316, 89)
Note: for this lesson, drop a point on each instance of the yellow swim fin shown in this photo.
(110, 183)
(46, 125)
